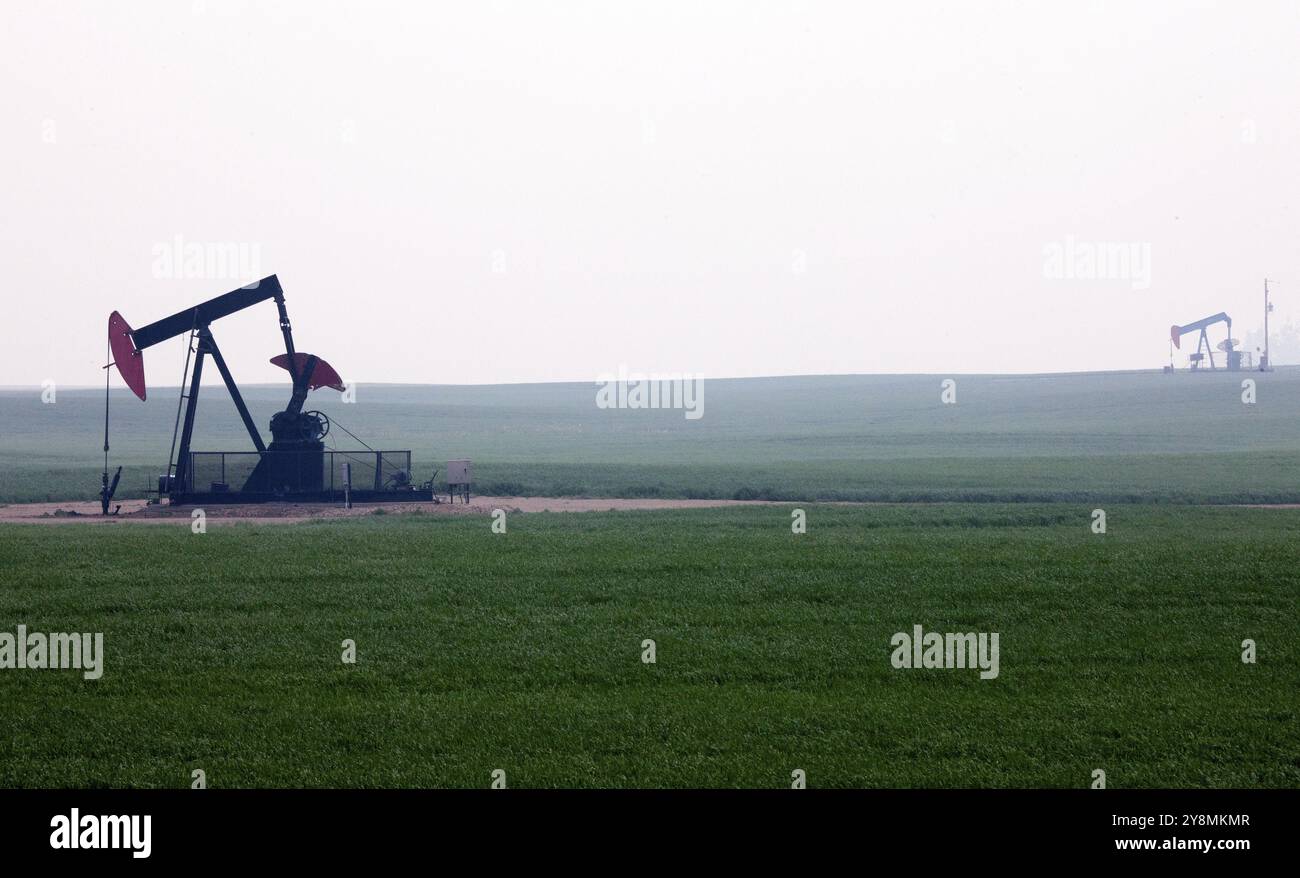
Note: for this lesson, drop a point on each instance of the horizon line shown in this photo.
(592, 381)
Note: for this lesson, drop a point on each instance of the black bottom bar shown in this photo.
(981, 828)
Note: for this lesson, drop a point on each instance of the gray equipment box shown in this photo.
(459, 476)
(459, 472)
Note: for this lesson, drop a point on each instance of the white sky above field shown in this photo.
(473, 192)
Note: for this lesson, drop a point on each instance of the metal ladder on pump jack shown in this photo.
(166, 482)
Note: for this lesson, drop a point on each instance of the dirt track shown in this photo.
(138, 512)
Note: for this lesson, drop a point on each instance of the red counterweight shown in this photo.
(323, 375)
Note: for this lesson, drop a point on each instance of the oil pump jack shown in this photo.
(1203, 347)
(296, 465)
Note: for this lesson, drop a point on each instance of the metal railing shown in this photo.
(221, 471)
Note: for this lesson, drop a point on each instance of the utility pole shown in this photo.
(1268, 306)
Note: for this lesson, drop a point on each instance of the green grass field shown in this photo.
(522, 651)
(1078, 438)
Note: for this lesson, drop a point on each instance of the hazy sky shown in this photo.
(473, 192)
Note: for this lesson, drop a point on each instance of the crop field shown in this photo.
(526, 651)
(523, 651)
(1078, 438)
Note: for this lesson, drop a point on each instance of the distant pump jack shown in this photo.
(1204, 350)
